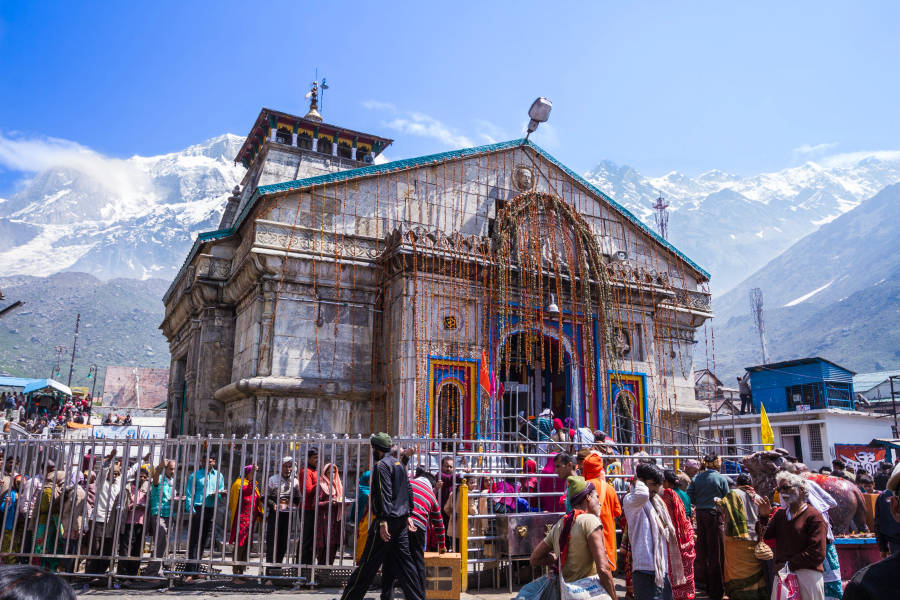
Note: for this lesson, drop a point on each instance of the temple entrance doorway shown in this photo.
(536, 377)
(448, 410)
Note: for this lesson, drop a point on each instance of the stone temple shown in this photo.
(442, 295)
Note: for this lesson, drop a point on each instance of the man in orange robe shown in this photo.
(609, 503)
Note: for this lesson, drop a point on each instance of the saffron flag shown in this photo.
(485, 377)
(768, 436)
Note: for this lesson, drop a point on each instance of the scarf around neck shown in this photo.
(661, 527)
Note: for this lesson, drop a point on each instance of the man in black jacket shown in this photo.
(388, 538)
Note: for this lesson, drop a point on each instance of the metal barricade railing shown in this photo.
(275, 508)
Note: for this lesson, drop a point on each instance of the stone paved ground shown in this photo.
(255, 592)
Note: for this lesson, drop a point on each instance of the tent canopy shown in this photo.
(42, 384)
(16, 382)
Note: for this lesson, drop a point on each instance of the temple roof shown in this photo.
(258, 133)
(419, 161)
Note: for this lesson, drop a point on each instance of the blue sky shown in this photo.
(658, 85)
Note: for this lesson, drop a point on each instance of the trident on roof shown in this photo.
(313, 94)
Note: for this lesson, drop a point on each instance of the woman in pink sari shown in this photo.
(551, 483)
(245, 506)
(685, 534)
(331, 515)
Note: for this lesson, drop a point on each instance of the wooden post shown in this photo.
(463, 507)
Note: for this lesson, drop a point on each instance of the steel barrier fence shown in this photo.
(172, 510)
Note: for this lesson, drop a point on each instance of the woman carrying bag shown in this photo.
(574, 549)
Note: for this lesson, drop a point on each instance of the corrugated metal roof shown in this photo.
(419, 161)
(795, 362)
(863, 382)
(16, 382)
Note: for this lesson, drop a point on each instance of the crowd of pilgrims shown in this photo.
(35, 418)
(682, 530)
(696, 529)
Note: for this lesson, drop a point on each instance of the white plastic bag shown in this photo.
(787, 586)
(588, 588)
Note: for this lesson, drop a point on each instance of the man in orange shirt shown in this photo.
(608, 500)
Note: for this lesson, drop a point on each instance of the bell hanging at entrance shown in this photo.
(552, 308)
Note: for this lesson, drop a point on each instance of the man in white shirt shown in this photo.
(283, 497)
(648, 532)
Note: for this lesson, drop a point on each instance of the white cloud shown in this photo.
(850, 159)
(425, 126)
(807, 149)
(125, 182)
(489, 132)
(379, 105)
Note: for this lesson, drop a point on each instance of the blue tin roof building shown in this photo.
(801, 384)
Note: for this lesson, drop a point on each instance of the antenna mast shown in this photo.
(662, 217)
(756, 312)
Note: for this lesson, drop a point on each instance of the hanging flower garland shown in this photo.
(519, 236)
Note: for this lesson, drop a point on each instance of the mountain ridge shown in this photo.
(139, 223)
(834, 293)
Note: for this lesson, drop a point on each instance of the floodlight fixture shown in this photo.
(552, 308)
(538, 113)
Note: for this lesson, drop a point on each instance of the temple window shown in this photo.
(304, 140)
(325, 145)
(283, 136)
(344, 150)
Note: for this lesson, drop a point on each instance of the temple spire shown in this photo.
(313, 95)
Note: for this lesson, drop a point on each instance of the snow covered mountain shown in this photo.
(835, 293)
(132, 218)
(734, 225)
(137, 217)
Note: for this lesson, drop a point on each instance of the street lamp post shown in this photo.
(59, 351)
(74, 347)
(92, 374)
(894, 404)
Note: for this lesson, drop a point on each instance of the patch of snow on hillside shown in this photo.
(40, 257)
(806, 297)
(825, 219)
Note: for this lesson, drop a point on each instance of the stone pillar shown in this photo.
(315, 144)
(272, 133)
(334, 147)
(190, 376)
(266, 334)
(214, 360)
(294, 139)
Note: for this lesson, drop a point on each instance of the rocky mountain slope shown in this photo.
(119, 325)
(835, 293)
(131, 218)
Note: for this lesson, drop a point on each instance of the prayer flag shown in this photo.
(484, 376)
(768, 436)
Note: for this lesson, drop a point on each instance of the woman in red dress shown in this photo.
(684, 531)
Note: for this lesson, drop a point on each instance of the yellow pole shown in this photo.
(677, 460)
(463, 508)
